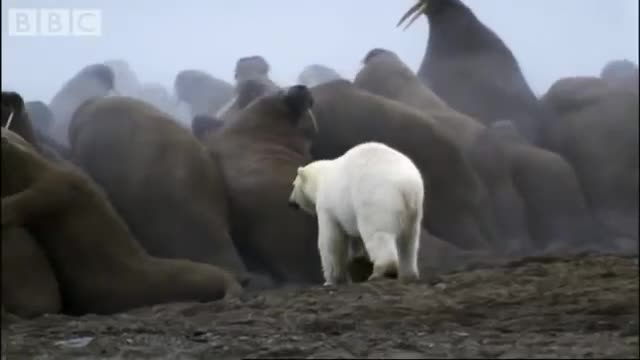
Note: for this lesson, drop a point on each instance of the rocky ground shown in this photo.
(579, 307)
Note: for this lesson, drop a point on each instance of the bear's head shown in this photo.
(300, 195)
(305, 186)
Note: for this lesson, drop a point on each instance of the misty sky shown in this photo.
(550, 38)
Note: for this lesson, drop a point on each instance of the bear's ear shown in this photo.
(13, 100)
(301, 174)
(298, 100)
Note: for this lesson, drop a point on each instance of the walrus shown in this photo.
(99, 265)
(347, 116)
(92, 81)
(259, 153)
(385, 74)
(126, 82)
(160, 179)
(251, 67)
(40, 115)
(246, 92)
(202, 125)
(472, 69)
(252, 81)
(597, 132)
(205, 94)
(558, 215)
(29, 284)
(157, 95)
(316, 74)
(16, 117)
(623, 73)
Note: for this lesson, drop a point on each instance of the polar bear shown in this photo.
(373, 192)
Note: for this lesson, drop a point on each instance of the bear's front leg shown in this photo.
(333, 250)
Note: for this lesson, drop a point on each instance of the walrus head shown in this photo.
(316, 74)
(190, 84)
(102, 73)
(286, 114)
(299, 100)
(619, 69)
(376, 52)
(125, 79)
(251, 67)
(12, 107)
(427, 7)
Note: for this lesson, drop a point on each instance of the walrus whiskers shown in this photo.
(6, 126)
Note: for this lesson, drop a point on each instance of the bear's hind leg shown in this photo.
(334, 250)
(381, 247)
(407, 244)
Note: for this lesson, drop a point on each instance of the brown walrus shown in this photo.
(470, 67)
(159, 178)
(29, 285)
(597, 132)
(100, 267)
(91, 81)
(259, 153)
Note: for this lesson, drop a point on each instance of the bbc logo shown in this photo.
(55, 22)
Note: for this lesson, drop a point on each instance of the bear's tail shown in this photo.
(413, 197)
(413, 200)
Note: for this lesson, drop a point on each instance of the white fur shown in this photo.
(373, 192)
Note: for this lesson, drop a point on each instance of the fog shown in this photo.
(551, 39)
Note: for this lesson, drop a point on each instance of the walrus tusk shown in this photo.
(313, 119)
(416, 10)
(6, 126)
